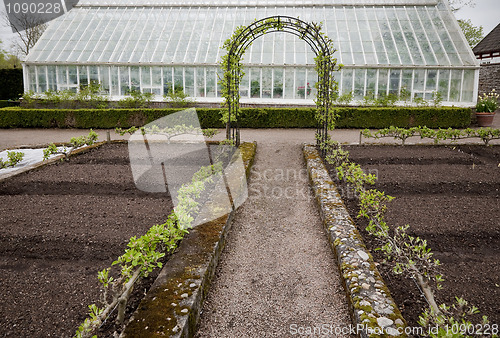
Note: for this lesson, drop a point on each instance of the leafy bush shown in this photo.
(136, 99)
(177, 98)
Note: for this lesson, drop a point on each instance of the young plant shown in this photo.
(136, 99)
(485, 134)
(169, 132)
(408, 254)
(13, 158)
(177, 98)
(143, 254)
(75, 142)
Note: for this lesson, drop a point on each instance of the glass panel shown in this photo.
(114, 81)
(134, 79)
(83, 75)
(219, 74)
(42, 79)
(146, 77)
(279, 48)
(371, 82)
(200, 82)
(254, 82)
(267, 81)
(256, 51)
(211, 84)
(167, 80)
(93, 74)
(245, 86)
(407, 80)
(124, 81)
(390, 47)
(62, 75)
(383, 78)
(178, 79)
(418, 82)
(32, 78)
(359, 84)
(189, 82)
(468, 86)
(347, 80)
(156, 76)
(455, 85)
(300, 83)
(104, 78)
(312, 78)
(289, 83)
(267, 51)
(431, 83)
(394, 82)
(444, 80)
(52, 80)
(73, 78)
(289, 49)
(278, 83)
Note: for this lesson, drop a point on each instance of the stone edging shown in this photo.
(371, 305)
(172, 306)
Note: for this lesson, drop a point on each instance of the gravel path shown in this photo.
(277, 276)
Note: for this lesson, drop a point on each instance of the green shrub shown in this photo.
(349, 117)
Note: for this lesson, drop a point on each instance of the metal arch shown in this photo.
(306, 32)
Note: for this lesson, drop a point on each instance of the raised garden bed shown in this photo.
(61, 224)
(449, 196)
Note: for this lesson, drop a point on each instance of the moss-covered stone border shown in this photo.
(370, 301)
(172, 306)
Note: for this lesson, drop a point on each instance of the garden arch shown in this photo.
(243, 37)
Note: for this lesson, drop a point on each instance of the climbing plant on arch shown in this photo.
(325, 65)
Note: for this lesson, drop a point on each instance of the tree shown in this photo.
(8, 60)
(473, 34)
(29, 29)
(458, 4)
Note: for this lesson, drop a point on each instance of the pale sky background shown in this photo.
(485, 13)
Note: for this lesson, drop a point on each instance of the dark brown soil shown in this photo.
(449, 196)
(60, 225)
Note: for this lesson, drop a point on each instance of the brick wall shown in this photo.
(489, 78)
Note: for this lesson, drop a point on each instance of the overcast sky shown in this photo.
(485, 13)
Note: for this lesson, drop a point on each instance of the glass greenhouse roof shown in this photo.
(374, 33)
(251, 2)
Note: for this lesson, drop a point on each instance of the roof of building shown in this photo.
(370, 33)
(490, 44)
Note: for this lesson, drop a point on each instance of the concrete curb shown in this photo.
(373, 311)
(172, 306)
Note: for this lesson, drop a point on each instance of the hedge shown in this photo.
(8, 103)
(11, 83)
(250, 117)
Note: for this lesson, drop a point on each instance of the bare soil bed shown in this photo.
(60, 225)
(449, 196)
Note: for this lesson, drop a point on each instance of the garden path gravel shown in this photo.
(277, 275)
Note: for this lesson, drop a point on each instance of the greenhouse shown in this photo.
(410, 48)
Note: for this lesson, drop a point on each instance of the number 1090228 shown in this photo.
(34, 8)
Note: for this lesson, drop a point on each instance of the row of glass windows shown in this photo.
(455, 85)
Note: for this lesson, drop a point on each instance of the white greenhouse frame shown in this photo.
(384, 45)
